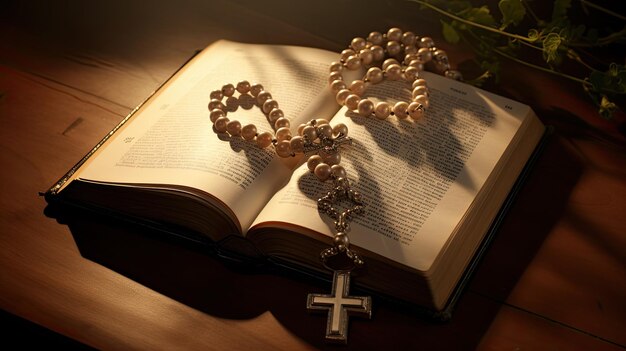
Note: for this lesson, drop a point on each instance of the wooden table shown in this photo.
(554, 278)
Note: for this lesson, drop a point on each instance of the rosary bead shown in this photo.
(333, 76)
(365, 108)
(416, 111)
(332, 158)
(347, 53)
(283, 134)
(422, 99)
(215, 114)
(283, 148)
(228, 90)
(353, 62)
(325, 131)
(352, 101)
(264, 139)
(424, 55)
(340, 129)
(374, 75)
(282, 123)
(320, 121)
(452, 74)
(378, 53)
(297, 144)
(418, 82)
(262, 96)
(382, 110)
(341, 241)
(309, 133)
(313, 161)
(248, 132)
(411, 73)
(358, 44)
(394, 71)
(269, 105)
(394, 34)
(357, 87)
(243, 87)
(233, 128)
(337, 85)
(410, 50)
(375, 38)
(338, 171)
(426, 42)
(388, 62)
(220, 124)
(342, 95)
(215, 104)
(366, 56)
(322, 171)
(400, 109)
(417, 64)
(408, 39)
(301, 128)
(274, 115)
(216, 94)
(420, 90)
(255, 89)
(336, 67)
(393, 48)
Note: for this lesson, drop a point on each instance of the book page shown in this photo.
(171, 140)
(418, 177)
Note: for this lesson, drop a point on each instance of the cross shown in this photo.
(339, 306)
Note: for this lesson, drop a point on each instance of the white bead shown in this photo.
(382, 110)
(283, 148)
(274, 115)
(336, 66)
(342, 95)
(394, 71)
(264, 139)
(297, 144)
(313, 161)
(394, 34)
(352, 101)
(408, 38)
(255, 89)
(309, 133)
(262, 96)
(215, 114)
(422, 99)
(325, 130)
(340, 129)
(337, 85)
(338, 171)
(243, 87)
(283, 134)
(233, 128)
(400, 109)
(418, 82)
(415, 110)
(269, 105)
(378, 53)
(358, 44)
(357, 87)
(282, 123)
(334, 76)
(374, 75)
(322, 171)
(228, 90)
(365, 108)
(375, 38)
(248, 132)
(393, 48)
(353, 62)
(220, 124)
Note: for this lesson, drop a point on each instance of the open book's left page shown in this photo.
(170, 141)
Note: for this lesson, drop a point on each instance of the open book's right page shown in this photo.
(419, 178)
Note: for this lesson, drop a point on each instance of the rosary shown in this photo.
(395, 56)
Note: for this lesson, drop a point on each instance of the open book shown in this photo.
(432, 187)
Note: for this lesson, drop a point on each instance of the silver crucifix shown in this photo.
(340, 305)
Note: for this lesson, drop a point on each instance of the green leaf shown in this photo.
(449, 33)
(480, 15)
(551, 45)
(513, 11)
